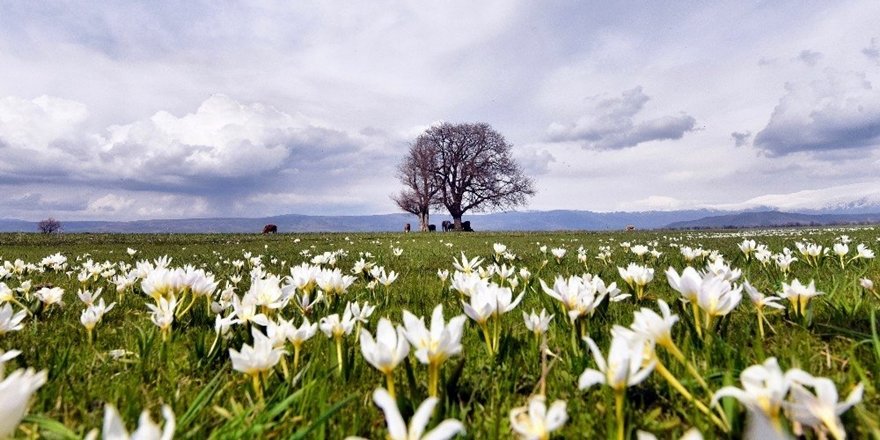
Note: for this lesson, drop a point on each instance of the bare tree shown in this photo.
(473, 169)
(416, 173)
(49, 225)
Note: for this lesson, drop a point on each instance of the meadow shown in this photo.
(187, 305)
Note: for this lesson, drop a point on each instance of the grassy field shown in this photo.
(131, 366)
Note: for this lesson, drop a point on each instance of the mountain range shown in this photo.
(504, 221)
(848, 204)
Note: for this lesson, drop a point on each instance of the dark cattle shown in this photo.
(270, 229)
(406, 227)
(447, 225)
(432, 228)
(630, 228)
(466, 226)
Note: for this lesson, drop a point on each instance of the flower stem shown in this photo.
(696, 309)
(258, 388)
(389, 380)
(618, 407)
(433, 378)
(339, 354)
(296, 357)
(761, 323)
(687, 395)
(485, 329)
(689, 366)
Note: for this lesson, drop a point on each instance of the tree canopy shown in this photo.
(462, 167)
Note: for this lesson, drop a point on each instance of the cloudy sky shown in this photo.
(185, 109)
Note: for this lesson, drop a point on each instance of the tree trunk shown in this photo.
(457, 222)
(423, 222)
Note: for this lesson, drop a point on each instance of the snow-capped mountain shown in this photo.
(857, 198)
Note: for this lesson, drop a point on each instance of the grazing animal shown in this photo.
(447, 225)
(466, 226)
(630, 228)
(432, 228)
(270, 229)
(406, 227)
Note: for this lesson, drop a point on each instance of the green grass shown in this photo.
(211, 399)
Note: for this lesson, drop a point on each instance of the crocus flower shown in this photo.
(622, 369)
(821, 410)
(162, 314)
(16, 389)
(466, 265)
(9, 321)
(537, 324)
(336, 328)
(717, 297)
(50, 296)
(299, 336)
(763, 392)
(759, 300)
(397, 429)
(637, 277)
(535, 421)
(434, 346)
(386, 351)
(114, 427)
(799, 295)
(256, 360)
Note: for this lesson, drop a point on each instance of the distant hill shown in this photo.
(773, 218)
(503, 221)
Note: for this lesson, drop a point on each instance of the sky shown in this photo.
(163, 109)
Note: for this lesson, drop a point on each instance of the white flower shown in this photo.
(760, 300)
(16, 389)
(466, 265)
(302, 333)
(50, 295)
(499, 248)
(334, 327)
(535, 421)
(10, 322)
(397, 429)
(623, 367)
(114, 427)
(263, 356)
(657, 327)
(863, 252)
(537, 324)
(639, 250)
(559, 253)
(439, 343)
(798, 294)
(388, 349)
(764, 388)
(636, 275)
(717, 297)
(821, 410)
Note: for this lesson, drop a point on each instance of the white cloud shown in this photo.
(609, 123)
(313, 105)
(36, 124)
(841, 110)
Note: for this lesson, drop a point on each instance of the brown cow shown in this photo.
(270, 229)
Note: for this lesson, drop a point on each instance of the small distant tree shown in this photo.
(416, 173)
(49, 225)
